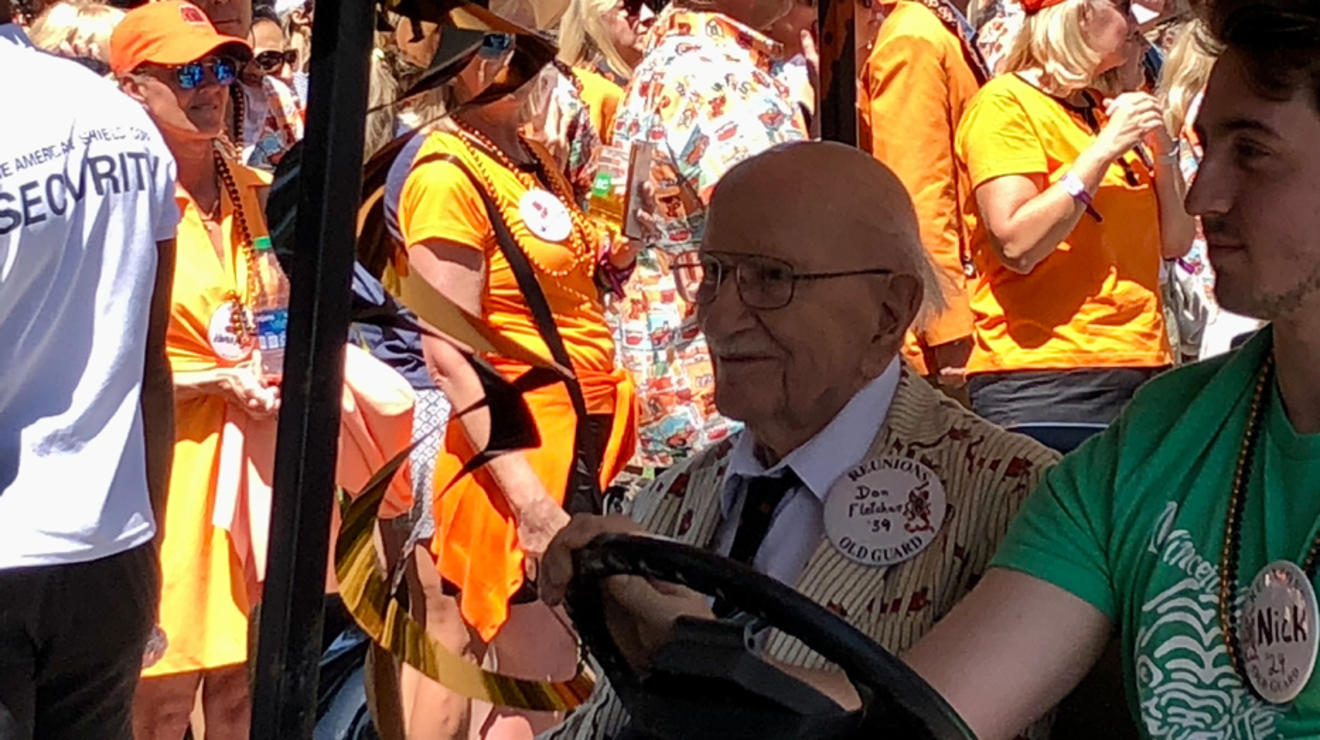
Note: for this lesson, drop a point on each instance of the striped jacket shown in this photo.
(986, 473)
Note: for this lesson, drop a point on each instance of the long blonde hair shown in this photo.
(583, 36)
(1051, 40)
(1186, 71)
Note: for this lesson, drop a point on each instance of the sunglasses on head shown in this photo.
(271, 60)
(191, 75)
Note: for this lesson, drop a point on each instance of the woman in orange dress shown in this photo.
(492, 524)
(168, 56)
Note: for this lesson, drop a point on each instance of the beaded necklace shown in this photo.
(240, 322)
(1231, 556)
(579, 239)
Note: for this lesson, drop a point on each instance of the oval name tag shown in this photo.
(885, 510)
(545, 216)
(220, 332)
(1278, 632)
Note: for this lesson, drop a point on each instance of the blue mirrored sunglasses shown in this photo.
(191, 75)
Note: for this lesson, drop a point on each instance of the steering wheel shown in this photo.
(708, 680)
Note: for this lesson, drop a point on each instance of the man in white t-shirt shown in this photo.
(87, 221)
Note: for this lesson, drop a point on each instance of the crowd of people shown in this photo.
(978, 315)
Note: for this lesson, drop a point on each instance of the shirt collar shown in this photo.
(715, 27)
(823, 458)
(12, 34)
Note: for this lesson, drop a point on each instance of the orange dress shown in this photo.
(217, 510)
(476, 544)
(204, 590)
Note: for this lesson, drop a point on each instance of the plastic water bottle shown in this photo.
(271, 309)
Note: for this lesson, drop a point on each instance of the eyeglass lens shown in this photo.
(269, 60)
(762, 283)
(193, 74)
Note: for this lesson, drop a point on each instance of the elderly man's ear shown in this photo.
(900, 300)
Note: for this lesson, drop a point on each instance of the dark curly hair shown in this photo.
(1279, 39)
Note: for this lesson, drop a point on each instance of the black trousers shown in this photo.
(71, 644)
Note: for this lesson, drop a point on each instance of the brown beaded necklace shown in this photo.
(240, 114)
(1231, 555)
(240, 321)
(580, 240)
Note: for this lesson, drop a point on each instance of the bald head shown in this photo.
(846, 226)
(823, 206)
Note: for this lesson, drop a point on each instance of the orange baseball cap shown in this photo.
(1035, 6)
(170, 32)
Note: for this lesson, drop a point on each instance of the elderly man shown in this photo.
(718, 84)
(805, 306)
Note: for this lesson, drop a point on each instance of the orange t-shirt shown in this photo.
(439, 201)
(1095, 301)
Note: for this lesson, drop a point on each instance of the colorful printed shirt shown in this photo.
(709, 94)
(1133, 522)
(276, 118)
(1001, 20)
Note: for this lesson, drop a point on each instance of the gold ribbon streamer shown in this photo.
(366, 594)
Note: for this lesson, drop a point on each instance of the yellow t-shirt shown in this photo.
(1095, 301)
(439, 201)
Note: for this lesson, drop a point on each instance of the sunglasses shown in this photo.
(191, 75)
(271, 60)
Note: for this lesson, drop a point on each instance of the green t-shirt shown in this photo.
(1133, 522)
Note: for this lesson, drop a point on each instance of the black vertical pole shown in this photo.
(284, 695)
(838, 104)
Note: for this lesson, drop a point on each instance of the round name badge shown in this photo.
(885, 510)
(1278, 632)
(545, 216)
(220, 332)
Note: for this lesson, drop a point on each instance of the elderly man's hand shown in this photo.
(639, 612)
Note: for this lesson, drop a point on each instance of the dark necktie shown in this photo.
(759, 504)
(762, 497)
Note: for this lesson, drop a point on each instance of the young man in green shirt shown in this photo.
(1163, 526)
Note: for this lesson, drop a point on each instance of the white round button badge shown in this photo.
(545, 216)
(220, 332)
(1278, 632)
(885, 510)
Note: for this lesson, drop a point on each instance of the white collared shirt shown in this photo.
(797, 527)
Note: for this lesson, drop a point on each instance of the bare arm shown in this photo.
(458, 272)
(1010, 651)
(1026, 219)
(158, 389)
(1177, 227)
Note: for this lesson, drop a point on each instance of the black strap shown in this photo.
(545, 325)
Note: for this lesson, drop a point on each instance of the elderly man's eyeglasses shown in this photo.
(271, 60)
(191, 75)
(764, 283)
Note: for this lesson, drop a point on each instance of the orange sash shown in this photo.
(476, 541)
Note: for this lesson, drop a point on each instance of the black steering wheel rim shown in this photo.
(894, 696)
